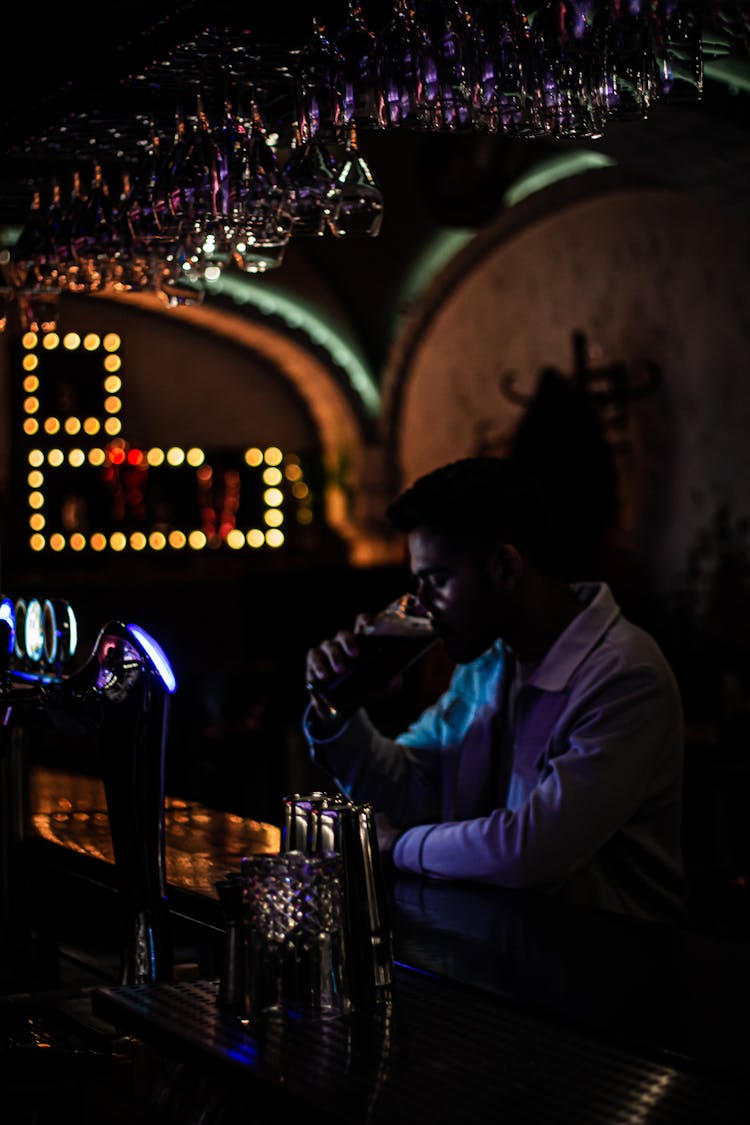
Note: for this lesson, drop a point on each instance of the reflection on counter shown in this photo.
(70, 810)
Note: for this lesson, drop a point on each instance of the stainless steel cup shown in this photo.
(322, 823)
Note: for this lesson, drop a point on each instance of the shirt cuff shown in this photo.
(330, 729)
(408, 851)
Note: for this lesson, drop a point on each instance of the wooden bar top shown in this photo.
(202, 844)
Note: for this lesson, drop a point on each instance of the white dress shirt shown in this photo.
(586, 799)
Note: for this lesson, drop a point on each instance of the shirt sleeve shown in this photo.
(402, 781)
(405, 777)
(610, 761)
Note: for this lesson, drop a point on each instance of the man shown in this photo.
(553, 761)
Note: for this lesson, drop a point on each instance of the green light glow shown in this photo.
(447, 244)
(734, 73)
(296, 314)
(552, 171)
(437, 254)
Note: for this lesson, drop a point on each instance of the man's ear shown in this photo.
(506, 565)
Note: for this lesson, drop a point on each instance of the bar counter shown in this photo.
(505, 1004)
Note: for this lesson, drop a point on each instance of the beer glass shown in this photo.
(396, 638)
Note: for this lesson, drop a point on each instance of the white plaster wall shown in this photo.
(649, 276)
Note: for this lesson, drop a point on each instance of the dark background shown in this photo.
(236, 633)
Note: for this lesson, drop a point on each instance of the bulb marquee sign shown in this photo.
(89, 487)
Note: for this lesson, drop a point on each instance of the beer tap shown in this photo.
(121, 695)
(125, 688)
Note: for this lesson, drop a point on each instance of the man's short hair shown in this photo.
(475, 503)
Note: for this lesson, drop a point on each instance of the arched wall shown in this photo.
(653, 287)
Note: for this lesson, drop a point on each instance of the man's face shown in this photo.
(457, 589)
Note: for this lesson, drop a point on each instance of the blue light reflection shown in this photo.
(157, 655)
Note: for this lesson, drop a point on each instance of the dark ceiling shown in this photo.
(79, 59)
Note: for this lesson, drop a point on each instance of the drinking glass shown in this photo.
(355, 197)
(317, 73)
(357, 80)
(294, 934)
(396, 638)
(310, 177)
(265, 214)
(401, 63)
(503, 38)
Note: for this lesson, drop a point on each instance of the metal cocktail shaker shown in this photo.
(321, 822)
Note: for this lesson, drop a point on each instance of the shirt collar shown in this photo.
(574, 643)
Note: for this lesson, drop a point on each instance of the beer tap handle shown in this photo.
(127, 684)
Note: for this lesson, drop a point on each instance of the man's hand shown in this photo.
(387, 835)
(334, 657)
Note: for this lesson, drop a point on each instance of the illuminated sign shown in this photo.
(90, 489)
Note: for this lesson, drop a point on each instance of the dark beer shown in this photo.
(383, 657)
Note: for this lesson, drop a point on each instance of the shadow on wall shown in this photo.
(559, 441)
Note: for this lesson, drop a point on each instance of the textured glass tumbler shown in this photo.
(294, 934)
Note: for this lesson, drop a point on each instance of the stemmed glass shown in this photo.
(317, 91)
(626, 80)
(559, 86)
(503, 37)
(265, 215)
(676, 34)
(356, 198)
(310, 176)
(358, 86)
(406, 70)
(450, 29)
(309, 171)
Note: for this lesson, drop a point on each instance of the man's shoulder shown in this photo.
(618, 643)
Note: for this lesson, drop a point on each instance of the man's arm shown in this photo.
(613, 755)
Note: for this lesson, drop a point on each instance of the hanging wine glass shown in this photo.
(207, 234)
(356, 45)
(208, 246)
(34, 240)
(310, 176)
(309, 172)
(451, 30)
(38, 296)
(503, 34)
(180, 179)
(148, 231)
(94, 234)
(58, 223)
(625, 80)
(265, 223)
(99, 218)
(558, 84)
(210, 160)
(357, 199)
(678, 50)
(401, 59)
(316, 68)
(172, 279)
(231, 161)
(142, 212)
